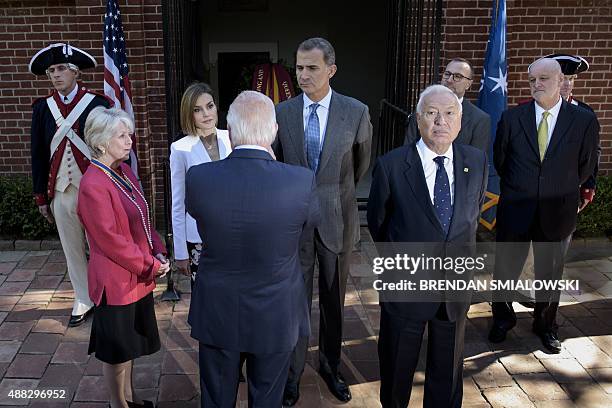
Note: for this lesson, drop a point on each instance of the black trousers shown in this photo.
(333, 274)
(266, 375)
(548, 257)
(399, 346)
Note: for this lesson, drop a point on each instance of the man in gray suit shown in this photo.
(475, 123)
(331, 134)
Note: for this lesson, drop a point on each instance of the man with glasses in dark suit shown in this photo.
(475, 123)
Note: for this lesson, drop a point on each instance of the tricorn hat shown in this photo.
(570, 64)
(60, 53)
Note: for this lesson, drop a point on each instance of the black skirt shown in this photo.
(123, 333)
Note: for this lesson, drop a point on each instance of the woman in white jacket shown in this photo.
(203, 143)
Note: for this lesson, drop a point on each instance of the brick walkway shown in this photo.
(38, 351)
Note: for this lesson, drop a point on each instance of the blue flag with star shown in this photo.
(493, 99)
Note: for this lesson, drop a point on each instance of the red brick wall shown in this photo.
(536, 28)
(27, 26)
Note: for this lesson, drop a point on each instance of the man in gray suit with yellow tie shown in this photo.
(331, 134)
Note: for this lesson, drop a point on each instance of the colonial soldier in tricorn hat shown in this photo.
(60, 156)
(571, 66)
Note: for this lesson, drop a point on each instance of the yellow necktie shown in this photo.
(543, 134)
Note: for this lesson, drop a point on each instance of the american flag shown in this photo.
(116, 70)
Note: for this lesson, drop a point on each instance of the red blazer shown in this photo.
(121, 263)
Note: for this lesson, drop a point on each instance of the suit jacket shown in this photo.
(591, 182)
(121, 263)
(475, 128)
(249, 293)
(545, 191)
(345, 158)
(44, 165)
(186, 152)
(400, 210)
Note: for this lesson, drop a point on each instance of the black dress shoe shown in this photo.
(550, 340)
(291, 395)
(497, 333)
(77, 320)
(336, 384)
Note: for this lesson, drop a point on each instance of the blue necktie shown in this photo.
(312, 138)
(442, 195)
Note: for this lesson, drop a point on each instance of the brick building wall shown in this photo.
(536, 28)
(27, 26)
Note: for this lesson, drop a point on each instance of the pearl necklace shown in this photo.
(124, 185)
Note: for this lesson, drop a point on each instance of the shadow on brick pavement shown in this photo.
(39, 351)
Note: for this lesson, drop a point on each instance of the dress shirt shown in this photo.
(256, 147)
(430, 167)
(322, 113)
(552, 118)
(70, 97)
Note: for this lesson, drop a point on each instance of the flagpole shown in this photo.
(171, 293)
(492, 99)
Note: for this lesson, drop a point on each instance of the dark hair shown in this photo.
(458, 59)
(329, 54)
(191, 95)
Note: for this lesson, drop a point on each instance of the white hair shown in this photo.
(100, 127)
(251, 119)
(436, 89)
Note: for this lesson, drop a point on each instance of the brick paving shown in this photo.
(38, 351)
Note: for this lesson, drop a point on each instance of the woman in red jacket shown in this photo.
(126, 254)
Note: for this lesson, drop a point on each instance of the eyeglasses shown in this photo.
(456, 76)
(570, 78)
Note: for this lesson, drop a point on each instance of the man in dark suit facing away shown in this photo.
(430, 191)
(544, 150)
(475, 123)
(332, 135)
(249, 295)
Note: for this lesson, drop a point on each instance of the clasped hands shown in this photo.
(164, 267)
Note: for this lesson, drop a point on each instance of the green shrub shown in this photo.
(596, 218)
(19, 216)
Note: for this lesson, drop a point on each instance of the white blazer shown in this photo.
(186, 152)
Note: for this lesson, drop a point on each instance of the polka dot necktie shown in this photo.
(442, 195)
(312, 136)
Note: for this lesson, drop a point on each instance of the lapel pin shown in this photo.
(466, 170)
